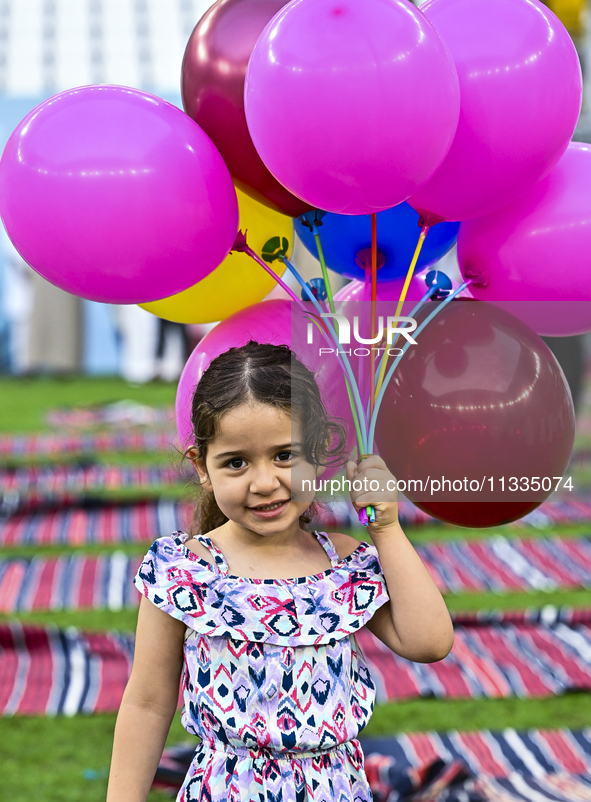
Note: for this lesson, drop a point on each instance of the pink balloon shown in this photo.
(520, 89)
(352, 106)
(265, 322)
(533, 256)
(388, 292)
(116, 195)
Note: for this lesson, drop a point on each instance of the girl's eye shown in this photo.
(236, 463)
(284, 456)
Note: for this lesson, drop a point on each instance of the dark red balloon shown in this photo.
(480, 399)
(212, 86)
(478, 514)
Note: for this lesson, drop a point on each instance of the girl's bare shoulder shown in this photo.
(344, 544)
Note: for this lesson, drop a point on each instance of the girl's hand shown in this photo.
(372, 472)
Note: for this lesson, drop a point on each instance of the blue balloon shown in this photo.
(343, 236)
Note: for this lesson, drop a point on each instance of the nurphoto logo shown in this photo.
(393, 330)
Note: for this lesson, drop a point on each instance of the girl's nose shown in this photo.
(264, 479)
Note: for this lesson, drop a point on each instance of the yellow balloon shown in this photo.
(570, 12)
(239, 281)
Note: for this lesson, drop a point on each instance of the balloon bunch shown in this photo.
(370, 123)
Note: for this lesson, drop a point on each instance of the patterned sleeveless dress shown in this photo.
(273, 682)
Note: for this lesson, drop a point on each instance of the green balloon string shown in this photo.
(323, 266)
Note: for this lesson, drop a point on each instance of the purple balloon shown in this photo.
(533, 256)
(352, 106)
(265, 322)
(116, 195)
(520, 89)
(479, 400)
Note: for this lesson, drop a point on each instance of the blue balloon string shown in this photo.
(353, 384)
(396, 362)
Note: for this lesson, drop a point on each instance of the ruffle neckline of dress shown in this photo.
(179, 538)
(325, 607)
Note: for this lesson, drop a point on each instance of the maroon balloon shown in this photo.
(479, 399)
(212, 86)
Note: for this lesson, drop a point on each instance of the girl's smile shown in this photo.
(270, 510)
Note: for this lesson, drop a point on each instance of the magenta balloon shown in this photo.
(387, 292)
(534, 255)
(265, 322)
(116, 195)
(352, 106)
(479, 398)
(520, 89)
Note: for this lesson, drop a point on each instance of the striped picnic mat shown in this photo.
(520, 654)
(112, 523)
(118, 413)
(456, 566)
(46, 670)
(78, 581)
(499, 563)
(480, 766)
(73, 582)
(50, 481)
(507, 766)
(56, 445)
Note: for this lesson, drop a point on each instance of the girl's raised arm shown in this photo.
(415, 622)
(149, 704)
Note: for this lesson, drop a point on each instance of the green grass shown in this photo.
(61, 549)
(579, 597)
(24, 402)
(46, 759)
(424, 534)
(89, 620)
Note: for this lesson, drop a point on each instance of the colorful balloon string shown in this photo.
(374, 288)
(352, 388)
(322, 261)
(364, 421)
(428, 319)
(401, 300)
(241, 246)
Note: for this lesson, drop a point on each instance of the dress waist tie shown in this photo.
(258, 753)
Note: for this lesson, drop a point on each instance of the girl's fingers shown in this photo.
(351, 469)
(372, 469)
(372, 461)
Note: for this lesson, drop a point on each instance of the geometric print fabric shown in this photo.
(274, 682)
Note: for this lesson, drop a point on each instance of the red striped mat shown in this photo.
(46, 670)
(104, 524)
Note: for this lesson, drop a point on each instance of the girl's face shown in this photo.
(248, 468)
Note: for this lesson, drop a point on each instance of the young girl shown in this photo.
(274, 682)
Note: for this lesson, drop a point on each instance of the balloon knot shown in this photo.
(275, 248)
(312, 220)
(441, 282)
(240, 244)
(478, 276)
(363, 259)
(428, 219)
(318, 289)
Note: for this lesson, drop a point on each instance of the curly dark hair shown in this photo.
(263, 373)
